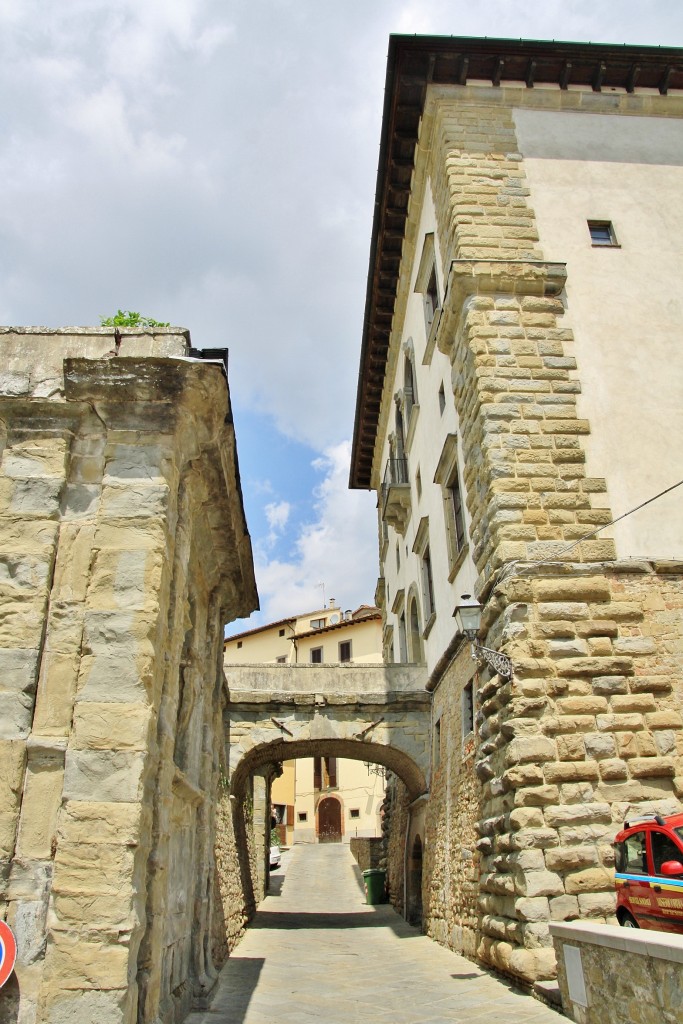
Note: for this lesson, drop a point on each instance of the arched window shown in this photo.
(416, 655)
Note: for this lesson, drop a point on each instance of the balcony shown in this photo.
(396, 498)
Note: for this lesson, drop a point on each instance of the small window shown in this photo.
(281, 632)
(345, 650)
(418, 483)
(442, 399)
(467, 710)
(318, 623)
(602, 232)
(316, 656)
(354, 812)
(282, 660)
(302, 816)
(635, 858)
(239, 644)
(436, 754)
(398, 558)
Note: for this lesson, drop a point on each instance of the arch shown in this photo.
(408, 771)
(414, 883)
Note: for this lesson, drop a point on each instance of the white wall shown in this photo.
(624, 305)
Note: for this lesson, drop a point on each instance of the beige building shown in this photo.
(519, 408)
(320, 799)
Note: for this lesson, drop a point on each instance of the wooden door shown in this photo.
(329, 821)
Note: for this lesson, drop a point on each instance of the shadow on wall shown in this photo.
(9, 1001)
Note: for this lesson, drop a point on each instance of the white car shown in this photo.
(275, 856)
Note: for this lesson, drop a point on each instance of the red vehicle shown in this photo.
(649, 873)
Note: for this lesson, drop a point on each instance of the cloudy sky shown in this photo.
(212, 163)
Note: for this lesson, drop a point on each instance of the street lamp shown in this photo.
(468, 619)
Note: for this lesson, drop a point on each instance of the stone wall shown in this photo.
(395, 815)
(368, 853)
(124, 552)
(451, 906)
(619, 975)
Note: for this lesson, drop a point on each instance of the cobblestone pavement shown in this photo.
(316, 953)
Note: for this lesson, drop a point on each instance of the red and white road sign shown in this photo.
(8, 952)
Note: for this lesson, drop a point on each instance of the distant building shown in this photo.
(320, 799)
(520, 388)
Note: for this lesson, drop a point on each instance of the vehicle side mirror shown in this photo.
(671, 867)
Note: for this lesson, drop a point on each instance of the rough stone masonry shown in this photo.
(123, 552)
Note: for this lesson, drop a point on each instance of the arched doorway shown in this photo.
(329, 820)
(414, 908)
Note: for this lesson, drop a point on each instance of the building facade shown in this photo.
(519, 392)
(323, 798)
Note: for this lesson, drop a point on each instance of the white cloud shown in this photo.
(337, 548)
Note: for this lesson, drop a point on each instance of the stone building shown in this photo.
(320, 798)
(123, 553)
(519, 400)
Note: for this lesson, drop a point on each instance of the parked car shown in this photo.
(275, 856)
(649, 873)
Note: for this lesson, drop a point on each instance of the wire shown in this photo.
(510, 568)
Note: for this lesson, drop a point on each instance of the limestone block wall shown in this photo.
(451, 857)
(395, 817)
(588, 732)
(124, 551)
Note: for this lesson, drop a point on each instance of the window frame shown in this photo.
(449, 477)
(349, 644)
(422, 548)
(316, 661)
(608, 240)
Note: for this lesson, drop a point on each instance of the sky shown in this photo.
(212, 163)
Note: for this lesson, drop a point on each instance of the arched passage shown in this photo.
(397, 761)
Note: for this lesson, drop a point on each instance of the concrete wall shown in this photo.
(607, 973)
(124, 551)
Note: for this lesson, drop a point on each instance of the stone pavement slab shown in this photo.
(317, 954)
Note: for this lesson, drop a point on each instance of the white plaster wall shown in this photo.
(431, 431)
(624, 305)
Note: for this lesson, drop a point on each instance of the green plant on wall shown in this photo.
(129, 318)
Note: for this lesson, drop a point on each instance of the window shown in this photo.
(663, 848)
(426, 283)
(602, 233)
(635, 859)
(436, 753)
(409, 383)
(398, 558)
(345, 650)
(239, 644)
(388, 645)
(318, 623)
(422, 550)
(324, 772)
(354, 812)
(418, 483)
(467, 709)
(316, 655)
(281, 659)
(402, 644)
(281, 632)
(415, 637)
(302, 816)
(442, 399)
(448, 475)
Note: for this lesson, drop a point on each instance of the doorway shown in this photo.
(414, 915)
(329, 820)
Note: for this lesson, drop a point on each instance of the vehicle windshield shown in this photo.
(679, 832)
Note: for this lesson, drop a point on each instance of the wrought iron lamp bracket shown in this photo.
(500, 663)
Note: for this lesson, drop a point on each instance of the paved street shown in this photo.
(316, 952)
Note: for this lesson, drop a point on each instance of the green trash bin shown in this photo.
(373, 880)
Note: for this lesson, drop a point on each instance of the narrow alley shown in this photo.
(316, 952)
